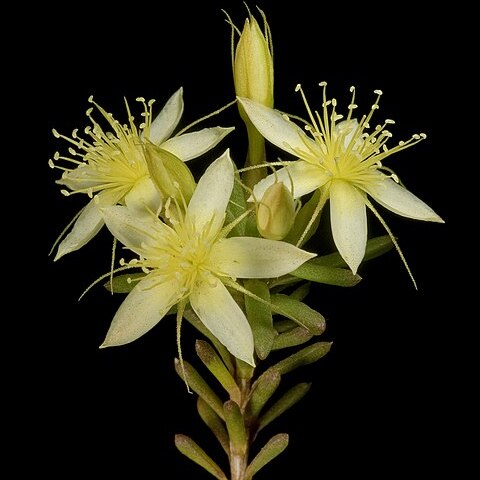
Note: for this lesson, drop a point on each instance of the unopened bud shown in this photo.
(276, 212)
(253, 65)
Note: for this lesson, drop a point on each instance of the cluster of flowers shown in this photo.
(196, 241)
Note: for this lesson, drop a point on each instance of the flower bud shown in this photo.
(253, 64)
(171, 176)
(276, 212)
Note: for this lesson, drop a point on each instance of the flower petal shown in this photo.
(88, 224)
(144, 198)
(216, 308)
(210, 198)
(275, 128)
(166, 121)
(304, 177)
(349, 222)
(194, 144)
(142, 235)
(250, 257)
(399, 200)
(143, 308)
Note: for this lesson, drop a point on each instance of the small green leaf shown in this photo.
(262, 390)
(303, 218)
(301, 292)
(375, 247)
(199, 386)
(288, 400)
(299, 312)
(214, 423)
(192, 451)
(314, 271)
(260, 317)
(124, 283)
(305, 356)
(296, 336)
(284, 325)
(274, 447)
(236, 428)
(216, 366)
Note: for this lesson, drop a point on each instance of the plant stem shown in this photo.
(240, 443)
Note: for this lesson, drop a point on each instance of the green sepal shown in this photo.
(291, 338)
(260, 317)
(214, 423)
(171, 175)
(274, 447)
(299, 312)
(286, 401)
(194, 452)
(193, 379)
(124, 283)
(218, 369)
(305, 356)
(262, 390)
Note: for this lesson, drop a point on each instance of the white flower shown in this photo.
(191, 260)
(344, 159)
(110, 166)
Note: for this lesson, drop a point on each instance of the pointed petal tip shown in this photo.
(61, 252)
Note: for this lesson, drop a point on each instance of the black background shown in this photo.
(376, 404)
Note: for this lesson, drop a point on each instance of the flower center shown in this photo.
(346, 148)
(105, 160)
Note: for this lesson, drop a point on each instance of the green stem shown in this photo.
(256, 156)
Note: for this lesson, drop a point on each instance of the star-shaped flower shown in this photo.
(344, 159)
(110, 166)
(192, 260)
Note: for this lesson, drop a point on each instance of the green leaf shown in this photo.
(274, 447)
(296, 336)
(192, 451)
(301, 292)
(260, 317)
(214, 423)
(307, 355)
(262, 390)
(236, 207)
(303, 218)
(299, 312)
(375, 247)
(288, 400)
(284, 325)
(236, 428)
(124, 283)
(216, 366)
(199, 386)
(314, 271)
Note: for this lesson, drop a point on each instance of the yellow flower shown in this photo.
(111, 167)
(192, 260)
(344, 159)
